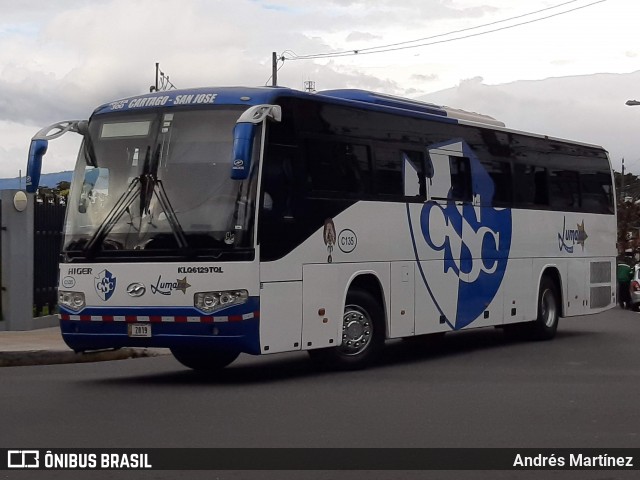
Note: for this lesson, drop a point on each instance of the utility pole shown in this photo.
(622, 182)
(274, 69)
(154, 88)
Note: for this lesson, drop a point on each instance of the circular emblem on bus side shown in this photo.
(347, 240)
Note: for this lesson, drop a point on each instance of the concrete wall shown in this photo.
(17, 264)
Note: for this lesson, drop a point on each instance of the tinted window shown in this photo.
(460, 178)
(564, 190)
(399, 172)
(388, 166)
(530, 186)
(414, 175)
(339, 167)
(500, 173)
(596, 192)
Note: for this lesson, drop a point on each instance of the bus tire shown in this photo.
(363, 335)
(204, 360)
(546, 323)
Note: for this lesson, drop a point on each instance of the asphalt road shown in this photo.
(470, 389)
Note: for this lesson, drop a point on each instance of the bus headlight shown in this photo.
(71, 300)
(210, 301)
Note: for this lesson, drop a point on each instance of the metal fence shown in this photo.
(48, 223)
(1, 318)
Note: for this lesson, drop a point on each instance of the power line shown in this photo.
(290, 55)
(361, 50)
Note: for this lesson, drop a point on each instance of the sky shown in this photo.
(566, 76)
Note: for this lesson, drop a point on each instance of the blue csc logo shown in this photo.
(105, 284)
(467, 243)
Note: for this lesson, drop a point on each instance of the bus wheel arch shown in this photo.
(363, 327)
(553, 274)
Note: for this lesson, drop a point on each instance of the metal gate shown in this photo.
(48, 223)
(1, 315)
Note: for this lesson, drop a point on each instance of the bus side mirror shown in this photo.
(34, 164)
(243, 134)
(40, 143)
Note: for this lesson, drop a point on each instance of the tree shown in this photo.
(628, 225)
(629, 188)
(62, 188)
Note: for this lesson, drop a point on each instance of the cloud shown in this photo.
(59, 60)
(418, 77)
(561, 62)
(587, 108)
(61, 154)
(362, 37)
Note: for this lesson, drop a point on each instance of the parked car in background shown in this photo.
(634, 289)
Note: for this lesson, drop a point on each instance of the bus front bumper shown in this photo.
(242, 336)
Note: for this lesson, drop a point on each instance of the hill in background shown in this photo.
(46, 180)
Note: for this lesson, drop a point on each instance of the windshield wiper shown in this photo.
(143, 186)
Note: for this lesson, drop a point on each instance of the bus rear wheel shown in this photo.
(546, 324)
(362, 334)
(204, 360)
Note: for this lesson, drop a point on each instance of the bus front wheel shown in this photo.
(204, 360)
(362, 334)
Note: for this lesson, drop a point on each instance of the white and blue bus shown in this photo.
(220, 221)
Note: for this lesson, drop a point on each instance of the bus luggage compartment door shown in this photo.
(280, 316)
(402, 323)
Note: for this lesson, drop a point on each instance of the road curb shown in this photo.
(49, 357)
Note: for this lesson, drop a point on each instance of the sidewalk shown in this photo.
(45, 347)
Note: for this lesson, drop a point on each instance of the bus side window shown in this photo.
(500, 173)
(278, 182)
(564, 191)
(438, 185)
(388, 171)
(357, 167)
(596, 192)
(530, 186)
(460, 168)
(336, 167)
(413, 174)
(541, 196)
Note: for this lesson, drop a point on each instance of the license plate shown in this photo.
(139, 330)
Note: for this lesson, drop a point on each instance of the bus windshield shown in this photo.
(144, 181)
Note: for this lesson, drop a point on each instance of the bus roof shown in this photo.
(262, 95)
(347, 97)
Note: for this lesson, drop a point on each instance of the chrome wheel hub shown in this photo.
(356, 330)
(548, 308)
